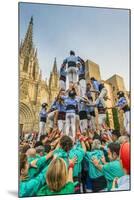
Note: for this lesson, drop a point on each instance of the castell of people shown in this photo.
(74, 127)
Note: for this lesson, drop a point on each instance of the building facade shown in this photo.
(33, 90)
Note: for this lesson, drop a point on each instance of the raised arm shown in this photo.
(70, 169)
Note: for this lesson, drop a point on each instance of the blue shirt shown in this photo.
(99, 104)
(90, 109)
(63, 71)
(53, 106)
(96, 85)
(88, 93)
(43, 113)
(81, 70)
(82, 106)
(71, 60)
(121, 102)
(61, 107)
(71, 102)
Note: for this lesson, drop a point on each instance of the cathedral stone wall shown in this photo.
(33, 89)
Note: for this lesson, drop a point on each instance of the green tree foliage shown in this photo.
(107, 119)
(116, 119)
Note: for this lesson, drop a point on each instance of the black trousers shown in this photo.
(99, 183)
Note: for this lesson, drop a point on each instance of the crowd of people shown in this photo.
(72, 153)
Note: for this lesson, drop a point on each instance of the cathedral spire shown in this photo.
(55, 66)
(36, 52)
(28, 41)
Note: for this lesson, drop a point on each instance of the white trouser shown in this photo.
(83, 125)
(127, 121)
(101, 97)
(82, 84)
(62, 84)
(101, 120)
(72, 74)
(50, 119)
(41, 129)
(70, 125)
(91, 123)
(61, 125)
(77, 122)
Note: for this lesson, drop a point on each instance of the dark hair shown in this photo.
(114, 148)
(23, 161)
(47, 148)
(44, 105)
(72, 53)
(97, 136)
(38, 143)
(116, 133)
(25, 148)
(120, 94)
(66, 143)
(72, 93)
(42, 137)
(92, 79)
(90, 98)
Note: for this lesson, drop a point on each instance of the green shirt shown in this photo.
(30, 187)
(41, 163)
(62, 154)
(79, 153)
(92, 170)
(67, 189)
(111, 170)
(30, 159)
(74, 152)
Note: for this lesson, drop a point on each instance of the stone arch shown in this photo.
(26, 118)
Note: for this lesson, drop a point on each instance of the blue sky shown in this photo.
(97, 34)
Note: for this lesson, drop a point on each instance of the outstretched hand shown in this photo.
(103, 159)
(49, 155)
(33, 163)
(73, 161)
(95, 161)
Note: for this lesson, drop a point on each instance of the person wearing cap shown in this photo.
(81, 74)
(123, 183)
(100, 89)
(71, 67)
(62, 79)
(43, 119)
(122, 104)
